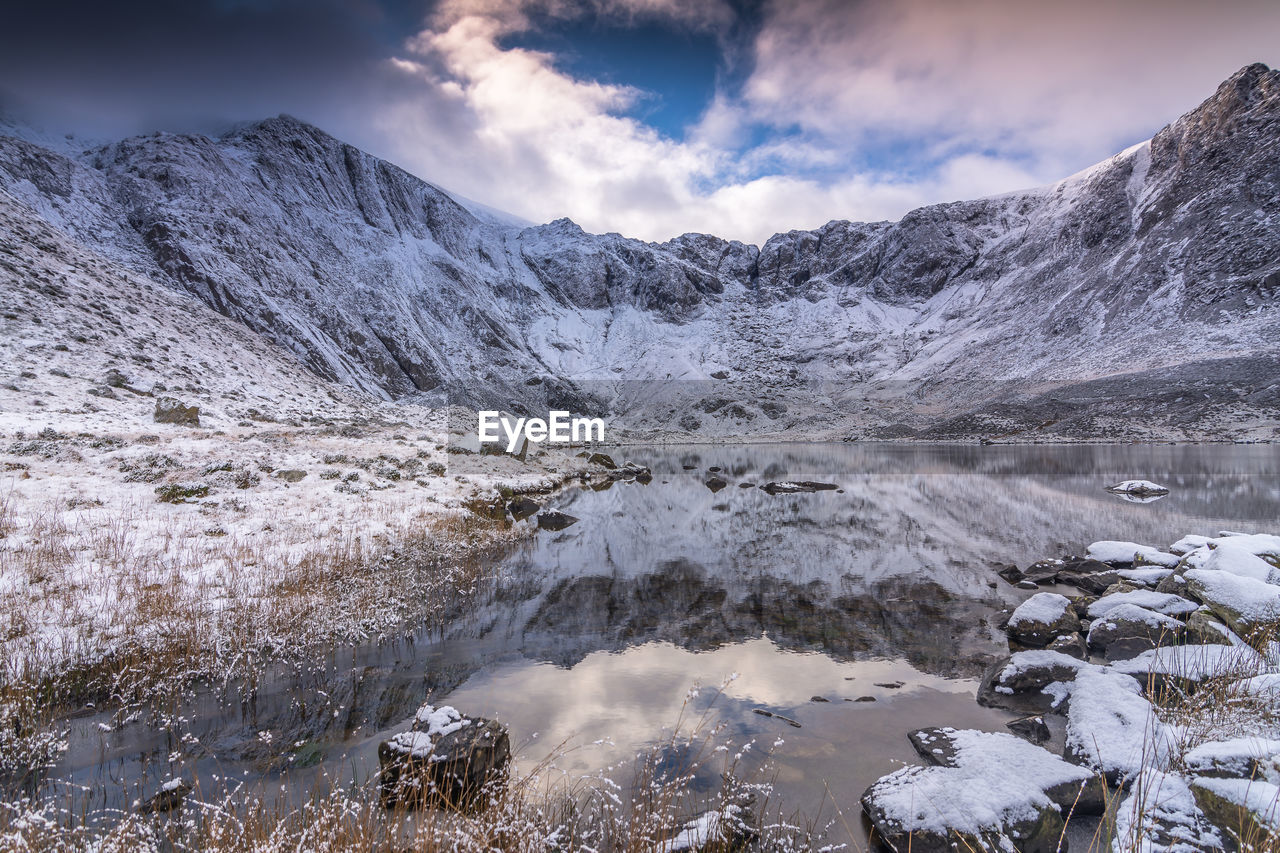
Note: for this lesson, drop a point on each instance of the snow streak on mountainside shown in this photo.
(1157, 266)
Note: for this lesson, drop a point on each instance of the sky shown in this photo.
(653, 118)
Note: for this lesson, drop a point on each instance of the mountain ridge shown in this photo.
(1163, 255)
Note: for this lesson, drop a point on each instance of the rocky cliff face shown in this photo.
(1162, 258)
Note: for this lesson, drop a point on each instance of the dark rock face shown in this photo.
(447, 761)
(171, 411)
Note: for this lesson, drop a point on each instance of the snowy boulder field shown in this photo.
(1167, 705)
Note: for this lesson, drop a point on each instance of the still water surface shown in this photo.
(880, 599)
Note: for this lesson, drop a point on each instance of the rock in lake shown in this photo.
(169, 797)
(521, 507)
(1127, 630)
(1031, 728)
(1042, 617)
(1139, 488)
(714, 483)
(603, 460)
(1017, 681)
(171, 411)
(989, 792)
(445, 759)
(792, 487)
(549, 519)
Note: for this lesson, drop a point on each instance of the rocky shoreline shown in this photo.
(1153, 695)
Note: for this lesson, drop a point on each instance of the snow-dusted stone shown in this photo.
(1130, 553)
(445, 758)
(1139, 488)
(1093, 584)
(1112, 728)
(602, 459)
(1042, 617)
(1165, 604)
(1018, 681)
(1127, 630)
(1067, 785)
(1160, 815)
(984, 804)
(1243, 602)
(1245, 809)
(1236, 758)
(1060, 570)
(1191, 665)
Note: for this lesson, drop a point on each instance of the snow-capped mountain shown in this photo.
(1139, 292)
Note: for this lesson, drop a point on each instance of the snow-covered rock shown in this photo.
(1236, 758)
(1018, 680)
(445, 757)
(1194, 663)
(1140, 488)
(1127, 630)
(1042, 617)
(1126, 553)
(1112, 728)
(1247, 809)
(1244, 603)
(1166, 604)
(1159, 815)
(987, 790)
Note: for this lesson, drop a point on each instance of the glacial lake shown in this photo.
(880, 599)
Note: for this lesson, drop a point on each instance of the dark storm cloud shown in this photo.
(112, 68)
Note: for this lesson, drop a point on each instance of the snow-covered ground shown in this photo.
(248, 529)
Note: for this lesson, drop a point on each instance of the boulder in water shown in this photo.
(445, 759)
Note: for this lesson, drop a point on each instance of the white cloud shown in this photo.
(1040, 90)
